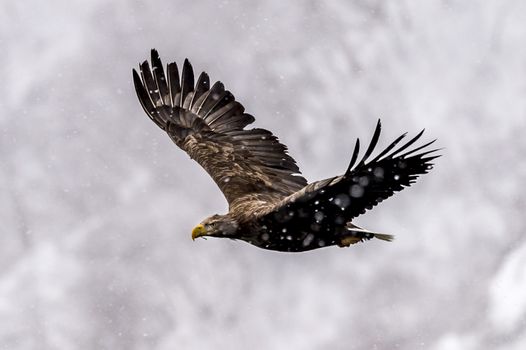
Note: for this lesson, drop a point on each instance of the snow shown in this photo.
(507, 293)
(97, 203)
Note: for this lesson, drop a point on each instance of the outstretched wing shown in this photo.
(325, 207)
(209, 124)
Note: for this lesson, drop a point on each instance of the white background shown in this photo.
(97, 204)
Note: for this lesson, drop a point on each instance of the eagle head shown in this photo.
(216, 226)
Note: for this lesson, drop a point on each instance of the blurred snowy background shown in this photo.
(97, 204)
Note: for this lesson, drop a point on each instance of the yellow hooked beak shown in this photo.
(198, 231)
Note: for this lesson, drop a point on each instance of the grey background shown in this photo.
(97, 204)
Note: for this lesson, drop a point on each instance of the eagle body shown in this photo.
(270, 204)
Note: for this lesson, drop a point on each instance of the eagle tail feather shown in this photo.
(355, 234)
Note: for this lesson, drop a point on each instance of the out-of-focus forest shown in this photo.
(97, 204)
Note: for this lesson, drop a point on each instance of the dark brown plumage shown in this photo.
(270, 203)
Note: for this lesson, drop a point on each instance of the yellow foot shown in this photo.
(347, 241)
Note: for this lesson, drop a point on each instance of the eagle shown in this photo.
(270, 204)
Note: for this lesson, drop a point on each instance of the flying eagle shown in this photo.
(270, 204)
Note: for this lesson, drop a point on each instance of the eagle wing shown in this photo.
(209, 124)
(328, 205)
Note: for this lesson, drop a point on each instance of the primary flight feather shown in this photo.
(270, 204)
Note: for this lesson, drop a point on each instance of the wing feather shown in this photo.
(404, 147)
(340, 199)
(173, 83)
(160, 78)
(187, 81)
(150, 84)
(390, 147)
(214, 94)
(373, 142)
(209, 124)
(354, 154)
(202, 86)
